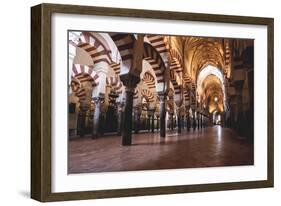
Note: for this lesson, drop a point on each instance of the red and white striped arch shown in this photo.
(154, 59)
(115, 84)
(177, 87)
(149, 80)
(85, 73)
(176, 61)
(125, 46)
(160, 44)
(147, 94)
(115, 67)
(94, 48)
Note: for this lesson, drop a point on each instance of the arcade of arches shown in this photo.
(179, 101)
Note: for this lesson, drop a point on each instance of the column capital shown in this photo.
(130, 81)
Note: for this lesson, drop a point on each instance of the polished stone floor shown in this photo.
(209, 147)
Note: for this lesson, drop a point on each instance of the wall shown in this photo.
(15, 102)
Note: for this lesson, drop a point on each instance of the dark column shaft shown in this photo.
(127, 127)
(172, 122)
(179, 121)
(162, 117)
(157, 124)
(187, 123)
(96, 117)
(152, 122)
(137, 122)
(120, 120)
(148, 122)
(81, 123)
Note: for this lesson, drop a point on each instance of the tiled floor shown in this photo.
(214, 146)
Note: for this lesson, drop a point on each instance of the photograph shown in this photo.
(140, 101)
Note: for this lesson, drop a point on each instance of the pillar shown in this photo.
(187, 122)
(201, 121)
(239, 104)
(137, 114)
(193, 121)
(151, 115)
(148, 120)
(157, 123)
(120, 114)
(198, 120)
(96, 117)
(130, 82)
(179, 120)
(172, 121)
(102, 123)
(162, 97)
(182, 122)
(81, 120)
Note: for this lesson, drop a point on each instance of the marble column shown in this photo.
(152, 120)
(198, 121)
(162, 97)
(120, 109)
(201, 121)
(183, 122)
(172, 121)
(81, 123)
(179, 120)
(157, 123)
(152, 124)
(96, 117)
(239, 104)
(137, 114)
(187, 122)
(148, 121)
(194, 121)
(130, 82)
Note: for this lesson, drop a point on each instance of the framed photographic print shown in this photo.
(130, 102)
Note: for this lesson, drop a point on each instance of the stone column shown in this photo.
(130, 81)
(137, 114)
(194, 121)
(201, 121)
(183, 122)
(179, 120)
(239, 104)
(162, 97)
(187, 122)
(148, 121)
(198, 120)
(81, 122)
(120, 113)
(152, 120)
(102, 123)
(172, 121)
(152, 124)
(157, 123)
(96, 117)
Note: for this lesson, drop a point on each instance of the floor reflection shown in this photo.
(215, 146)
